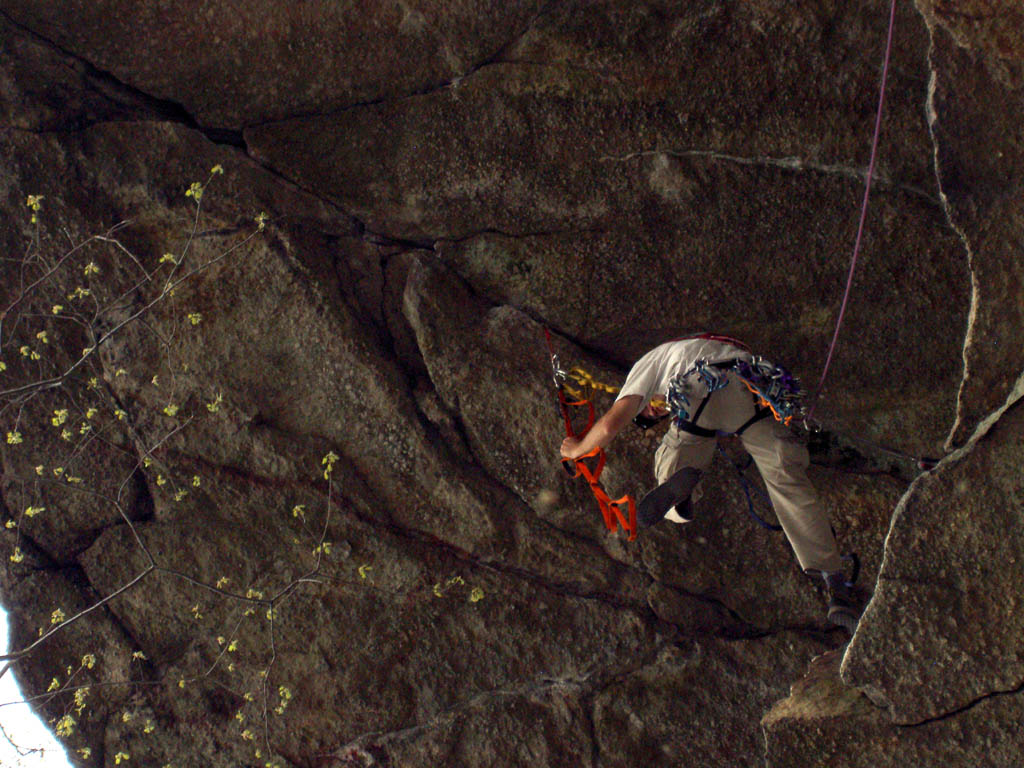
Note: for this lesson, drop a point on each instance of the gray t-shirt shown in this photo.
(650, 375)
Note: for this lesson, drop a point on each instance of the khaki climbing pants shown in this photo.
(781, 460)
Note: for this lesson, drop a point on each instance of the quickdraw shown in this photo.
(616, 512)
(678, 402)
(712, 378)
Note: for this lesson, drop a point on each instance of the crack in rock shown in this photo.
(160, 110)
(125, 95)
(517, 235)
(492, 59)
(972, 312)
(965, 708)
(588, 686)
(790, 163)
(411, 534)
(363, 744)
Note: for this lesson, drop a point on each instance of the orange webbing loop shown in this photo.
(765, 404)
(611, 510)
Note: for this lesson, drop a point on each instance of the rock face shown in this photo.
(938, 648)
(949, 594)
(291, 436)
(826, 722)
(977, 54)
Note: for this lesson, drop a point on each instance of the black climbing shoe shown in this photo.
(842, 605)
(674, 492)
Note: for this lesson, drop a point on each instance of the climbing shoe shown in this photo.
(843, 609)
(674, 492)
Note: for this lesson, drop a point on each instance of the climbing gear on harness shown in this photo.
(674, 492)
(616, 512)
(678, 402)
(774, 387)
(713, 378)
(588, 384)
(777, 392)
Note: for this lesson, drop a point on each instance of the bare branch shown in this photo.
(17, 655)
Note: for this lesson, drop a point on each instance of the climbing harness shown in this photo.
(776, 390)
(616, 512)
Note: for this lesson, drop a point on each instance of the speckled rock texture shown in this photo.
(943, 630)
(822, 722)
(308, 469)
(975, 106)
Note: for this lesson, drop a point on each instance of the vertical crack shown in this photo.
(972, 314)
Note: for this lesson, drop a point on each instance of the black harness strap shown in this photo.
(759, 413)
(691, 425)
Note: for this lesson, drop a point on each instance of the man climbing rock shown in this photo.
(699, 379)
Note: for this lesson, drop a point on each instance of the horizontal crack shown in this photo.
(588, 687)
(423, 537)
(385, 240)
(367, 746)
(427, 90)
(790, 163)
(966, 707)
(518, 235)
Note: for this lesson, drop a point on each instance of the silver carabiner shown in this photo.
(557, 374)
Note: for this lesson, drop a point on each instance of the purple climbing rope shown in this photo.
(863, 211)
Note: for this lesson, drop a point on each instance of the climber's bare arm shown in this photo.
(606, 428)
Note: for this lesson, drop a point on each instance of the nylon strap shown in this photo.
(616, 512)
(759, 413)
(761, 410)
(715, 337)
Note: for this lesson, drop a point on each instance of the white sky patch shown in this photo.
(36, 745)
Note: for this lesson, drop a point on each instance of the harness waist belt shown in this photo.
(693, 429)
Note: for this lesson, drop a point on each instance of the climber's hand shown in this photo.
(571, 448)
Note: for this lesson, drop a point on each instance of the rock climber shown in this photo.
(688, 447)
